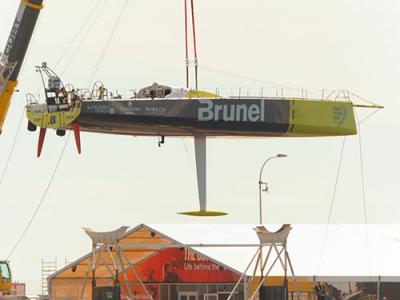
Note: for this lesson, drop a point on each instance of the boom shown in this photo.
(14, 53)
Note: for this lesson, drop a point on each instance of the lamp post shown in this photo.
(260, 182)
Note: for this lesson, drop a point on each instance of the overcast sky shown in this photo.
(120, 180)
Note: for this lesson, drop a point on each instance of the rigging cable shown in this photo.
(211, 69)
(28, 225)
(367, 117)
(332, 204)
(363, 99)
(364, 200)
(87, 31)
(232, 74)
(107, 44)
(365, 216)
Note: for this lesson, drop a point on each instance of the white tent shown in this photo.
(340, 250)
(340, 254)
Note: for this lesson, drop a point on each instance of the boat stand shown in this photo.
(273, 242)
(107, 243)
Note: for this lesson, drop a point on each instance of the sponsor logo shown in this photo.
(155, 110)
(231, 112)
(98, 108)
(339, 115)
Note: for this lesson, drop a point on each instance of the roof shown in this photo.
(341, 252)
(140, 235)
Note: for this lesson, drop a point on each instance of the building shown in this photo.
(159, 262)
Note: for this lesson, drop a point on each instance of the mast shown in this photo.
(14, 53)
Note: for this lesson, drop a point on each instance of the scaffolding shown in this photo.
(48, 268)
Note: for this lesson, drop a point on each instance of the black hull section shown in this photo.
(216, 117)
(128, 125)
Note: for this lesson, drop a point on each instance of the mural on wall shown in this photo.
(174, 266)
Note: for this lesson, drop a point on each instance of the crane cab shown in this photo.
(5, 278)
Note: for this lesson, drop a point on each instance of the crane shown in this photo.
(5, 278)
(15, 50)
(10, 66)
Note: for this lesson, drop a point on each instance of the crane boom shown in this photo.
(15, 50)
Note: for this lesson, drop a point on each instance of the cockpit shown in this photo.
(154, 91)
(160, 91)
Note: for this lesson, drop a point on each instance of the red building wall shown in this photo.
(174, 266)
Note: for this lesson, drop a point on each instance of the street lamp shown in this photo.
(261, 183)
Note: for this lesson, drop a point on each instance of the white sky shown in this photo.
(119, 180)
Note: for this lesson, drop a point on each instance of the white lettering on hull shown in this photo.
(14, 31)
(231, 112)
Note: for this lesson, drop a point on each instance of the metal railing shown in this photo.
(232, 93)
(105, 94)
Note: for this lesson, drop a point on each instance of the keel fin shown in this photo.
(42, 135)
(200, 145)
(77, 134)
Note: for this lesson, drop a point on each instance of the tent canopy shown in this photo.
(316, 250)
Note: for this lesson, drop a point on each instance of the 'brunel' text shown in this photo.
(231, 112)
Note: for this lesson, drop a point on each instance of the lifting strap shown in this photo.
(194, 43)
(186, 47)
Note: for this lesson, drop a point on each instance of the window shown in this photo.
(225, 295)
(5, 272)
(188, 296)
(210, 297)
(167, 92)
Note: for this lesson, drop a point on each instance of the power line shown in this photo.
(364, 200)
(36, 211)
(10, 154)
(78, 33)
(107, 44)
(187, 151)
(28, 225)
(87, 31)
